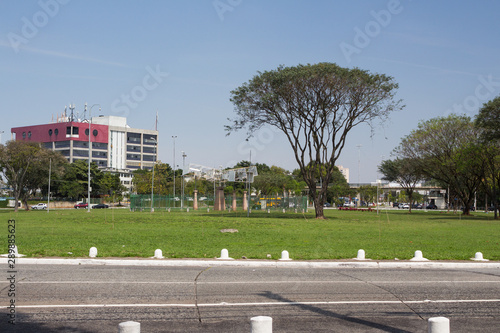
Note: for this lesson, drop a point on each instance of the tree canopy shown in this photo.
(25, 166)
(404, 171)
(315, 106)
(447, 150)
(488, 119)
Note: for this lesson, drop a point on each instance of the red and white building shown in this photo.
(115, 146)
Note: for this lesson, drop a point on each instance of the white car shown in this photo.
(39, 206)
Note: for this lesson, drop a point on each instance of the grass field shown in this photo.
(121, 233)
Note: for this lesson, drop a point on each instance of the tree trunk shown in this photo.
(318, 207)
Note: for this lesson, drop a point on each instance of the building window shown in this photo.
(70, 131)
(82, 153)
(150, 150)
(24, 135)
(133, 157)
(80, 144)
(50, 132)
(149, 139)
(56, 131)
(133, 148)
(29, 135)
(99, 145)
(62, 144)
(134, 138)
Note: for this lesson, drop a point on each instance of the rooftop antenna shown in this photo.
(156, 122)
(71, 107)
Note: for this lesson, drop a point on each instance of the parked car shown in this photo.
(404, 206)
(431, 206)
(99, 206)
(39, 206)
(327, 204)
(395, 204)
(81, 205)
(416, 206)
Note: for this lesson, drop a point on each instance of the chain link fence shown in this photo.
(142, 202)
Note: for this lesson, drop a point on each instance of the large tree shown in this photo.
(488, 122)
(162, 183)
(404, 171)
(315, 106)
(16, 157)
(447, 150)
(74, 182)
(488, 119)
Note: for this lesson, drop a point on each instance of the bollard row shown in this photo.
(264, 324)
(224, 255)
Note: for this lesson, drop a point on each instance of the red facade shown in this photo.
(61, 132)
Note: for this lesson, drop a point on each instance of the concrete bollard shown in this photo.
(438, 325)
(224, 254)
(284, 211)
(262, 324)
(93, 252)
(285, 255)
(158, 254)
(361, 255)
(478, 257)
(268, 211)
(129, 327)
(188, 209)
(418, 256)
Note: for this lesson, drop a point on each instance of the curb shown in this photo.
(255, 263)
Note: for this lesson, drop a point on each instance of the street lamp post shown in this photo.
(174, 137)
(1, 132)
(90, 155)
(153, 180)
(183, 162)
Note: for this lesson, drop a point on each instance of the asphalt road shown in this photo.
(87, 298)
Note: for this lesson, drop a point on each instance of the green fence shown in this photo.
(142, 202)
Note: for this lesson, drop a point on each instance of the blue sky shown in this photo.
(182, 59)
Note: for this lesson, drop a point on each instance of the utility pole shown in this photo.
(183, 163)
(173, 166)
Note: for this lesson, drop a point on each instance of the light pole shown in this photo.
(48, 196)
(174, 137)
(1, 132)
(90, 155)
(182, 195)
(359, 160)
(153, 180)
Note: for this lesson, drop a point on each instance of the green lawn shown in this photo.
(120, 233)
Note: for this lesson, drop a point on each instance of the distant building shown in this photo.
(116, 147)
(344, 171)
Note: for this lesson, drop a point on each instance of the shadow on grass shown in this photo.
(327, 313)
(264, 215)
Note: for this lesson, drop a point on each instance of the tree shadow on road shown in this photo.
(331, 314)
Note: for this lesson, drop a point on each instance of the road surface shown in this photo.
(88, 298)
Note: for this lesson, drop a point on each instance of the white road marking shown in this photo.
(247, 282)
(222, 304)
